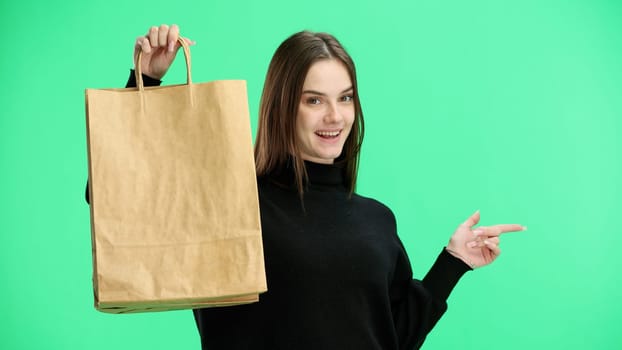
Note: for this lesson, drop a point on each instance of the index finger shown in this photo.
(497, 230)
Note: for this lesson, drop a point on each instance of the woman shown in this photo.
(338, 275)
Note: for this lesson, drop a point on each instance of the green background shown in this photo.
(510, 107)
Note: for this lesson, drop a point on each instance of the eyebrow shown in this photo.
(313, 92)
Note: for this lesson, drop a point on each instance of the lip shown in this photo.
(328, 134)
(339, 130)
(329, 141)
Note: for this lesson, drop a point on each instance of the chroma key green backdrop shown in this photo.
(510, 107)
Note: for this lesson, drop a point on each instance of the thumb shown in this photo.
(472, 220)
(174, 45)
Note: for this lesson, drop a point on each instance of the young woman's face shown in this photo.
(326, 112)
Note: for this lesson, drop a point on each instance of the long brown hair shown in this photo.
(276, 134)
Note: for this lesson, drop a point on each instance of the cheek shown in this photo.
(307, 119)
(349, 115)
(301, 121)
(303, 124)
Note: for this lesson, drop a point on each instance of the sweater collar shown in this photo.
(324, 175)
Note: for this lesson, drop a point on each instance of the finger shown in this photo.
(472, 220)
(496, 230)
(142, 43)
(138, 45)
(493, 247)
(505, 228)
(163, 35)
(153, 36)
(487, 231)
(173, 35)
(494, 240)
(479, 241)
(190, 41)
(475, 244)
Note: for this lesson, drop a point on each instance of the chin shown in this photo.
(322, 154)
(329, 157)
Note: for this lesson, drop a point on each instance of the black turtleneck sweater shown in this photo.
(338, 275)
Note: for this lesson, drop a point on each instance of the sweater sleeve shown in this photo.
(131, 83)
(418, 305)
(147, 80)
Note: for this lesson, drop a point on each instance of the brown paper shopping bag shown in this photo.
(174, 208)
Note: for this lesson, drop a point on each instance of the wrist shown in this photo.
(464, 259)
(147, 80)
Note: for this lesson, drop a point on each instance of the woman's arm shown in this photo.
(418, 305)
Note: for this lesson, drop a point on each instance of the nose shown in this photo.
(333, 115)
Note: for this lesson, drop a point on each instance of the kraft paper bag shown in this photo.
(174, 208)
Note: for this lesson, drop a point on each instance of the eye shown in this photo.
(347, 98)
(313, 101)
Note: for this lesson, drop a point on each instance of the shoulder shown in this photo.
(374, 207)
(370, 202)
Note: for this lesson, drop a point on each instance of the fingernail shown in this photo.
(472, 244)
(486, 241)
(524, 228)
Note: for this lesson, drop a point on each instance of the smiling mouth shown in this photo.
(328, 134)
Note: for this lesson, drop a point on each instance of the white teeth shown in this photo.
(328, 133)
